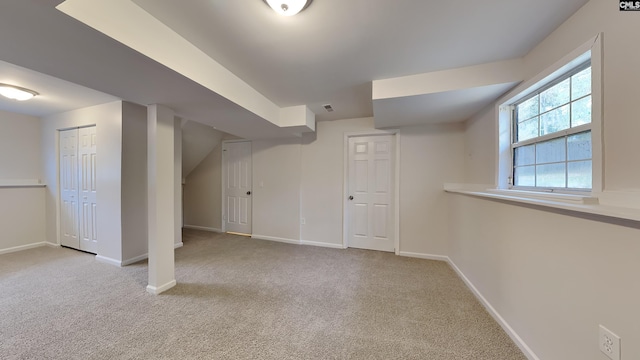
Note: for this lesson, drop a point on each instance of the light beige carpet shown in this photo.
(239, 298)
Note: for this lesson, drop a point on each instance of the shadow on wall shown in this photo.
(198, 140)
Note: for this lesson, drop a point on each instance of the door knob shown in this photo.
(248, 192)
(351, 197)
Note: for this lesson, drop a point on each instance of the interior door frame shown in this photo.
(345, 183)
(58, 169)
(223, 220)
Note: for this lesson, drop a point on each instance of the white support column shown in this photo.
(161, 182)
(177, 136)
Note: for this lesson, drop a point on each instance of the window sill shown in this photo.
(577, 203)
(19, 183)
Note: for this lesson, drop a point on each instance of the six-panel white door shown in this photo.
(87, 189)
(238, 184)
(370, 213)
(78, 205)
(69, 189)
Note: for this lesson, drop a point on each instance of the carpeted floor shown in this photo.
(239, 298)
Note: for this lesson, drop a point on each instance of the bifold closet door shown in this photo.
(78, 189)
(69, 189)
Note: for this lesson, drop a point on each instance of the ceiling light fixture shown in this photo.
(16, 92)
(288, 7)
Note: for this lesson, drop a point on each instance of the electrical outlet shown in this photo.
(303, 221)
(609, 343)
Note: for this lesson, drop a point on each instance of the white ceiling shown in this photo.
(329, 53)
(440, 107)
(55, 95)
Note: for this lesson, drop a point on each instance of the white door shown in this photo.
(87, 189)
(237, 197)
(69, 188)
(370, 213)
(78, 189)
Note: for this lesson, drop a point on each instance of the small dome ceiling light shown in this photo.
(288, 7)
(16, 92)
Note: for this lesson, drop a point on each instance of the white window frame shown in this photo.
(592, 50)
(562, 134)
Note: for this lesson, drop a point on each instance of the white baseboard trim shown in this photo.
(297, 242)
(321, 244)
(276, 239)
(155, 290)
(145, 256)
(135, 259)
(22, 247)
(52, 244)
(424, 256)
(498, 318)
(107, 260)
(203, 228)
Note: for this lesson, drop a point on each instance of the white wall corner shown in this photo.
(494, 313)
(108, 260)
(276, 239)
(162, 183)
(177, 158)
(424, 256)
(298, 119)
(144, 256)
(157, 290)
(202, 228)
(135, 259)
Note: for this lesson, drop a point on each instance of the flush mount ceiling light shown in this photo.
(16, 92)
(288, 7)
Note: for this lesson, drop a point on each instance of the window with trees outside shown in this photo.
(551, 135)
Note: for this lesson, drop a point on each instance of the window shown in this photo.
(550, 127)
(551, 139)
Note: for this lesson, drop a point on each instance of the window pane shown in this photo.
(579, 146)
(579, 174)
(528, 109)
(526, 155)
(581, 84)
(555, 120)
(581, 112)
(525, 176)
(528, 129)
(552, 158)
(555, 96)
(550, 175)
(550, 151)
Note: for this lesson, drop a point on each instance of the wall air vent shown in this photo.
(328, 107)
